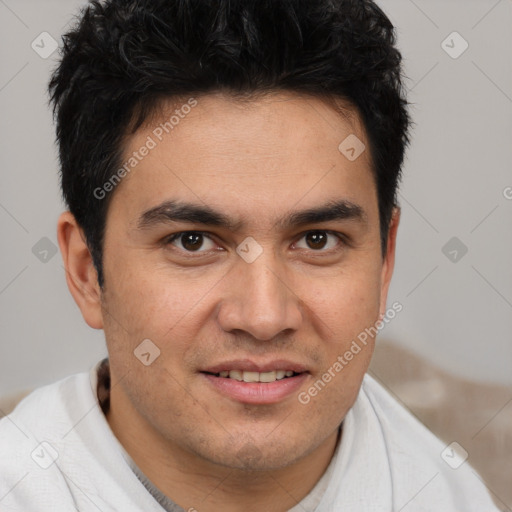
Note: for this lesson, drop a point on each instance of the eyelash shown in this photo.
(340, 236)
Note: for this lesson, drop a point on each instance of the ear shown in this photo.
(81, 276)
(389, 261)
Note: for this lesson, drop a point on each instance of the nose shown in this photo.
(259, 301)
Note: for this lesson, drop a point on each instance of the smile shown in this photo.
(256, 388)
(246, 376)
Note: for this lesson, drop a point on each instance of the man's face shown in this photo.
(269, 292)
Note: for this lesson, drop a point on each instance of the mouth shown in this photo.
(264, 377)
(249, 383)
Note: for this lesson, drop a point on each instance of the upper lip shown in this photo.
(247, 365)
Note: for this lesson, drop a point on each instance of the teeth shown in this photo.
(235, 374)
(251, 376)
(256, 376)
(267, 377)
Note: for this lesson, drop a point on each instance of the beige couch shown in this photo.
(477, 416)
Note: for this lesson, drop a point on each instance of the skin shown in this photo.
(256, 162)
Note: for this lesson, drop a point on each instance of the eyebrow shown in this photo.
(176, 211)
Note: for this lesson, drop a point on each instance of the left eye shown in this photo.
(318, 240)
(191, 241)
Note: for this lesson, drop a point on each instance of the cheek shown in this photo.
(347, 303)
(348, 309)
(151, 301)
(349, 314)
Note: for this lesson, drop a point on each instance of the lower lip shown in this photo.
(257, 392)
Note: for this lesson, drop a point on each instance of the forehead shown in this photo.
(265, 155)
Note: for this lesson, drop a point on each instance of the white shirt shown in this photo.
(58, 454)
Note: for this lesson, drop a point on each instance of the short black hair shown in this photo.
(123, 57)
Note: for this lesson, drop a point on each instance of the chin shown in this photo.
(257, 455)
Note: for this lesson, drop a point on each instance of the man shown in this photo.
(230, 169)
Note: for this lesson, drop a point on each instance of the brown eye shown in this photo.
(191, 241)
(318, 240)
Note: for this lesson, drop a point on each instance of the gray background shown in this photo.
(457, 315)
